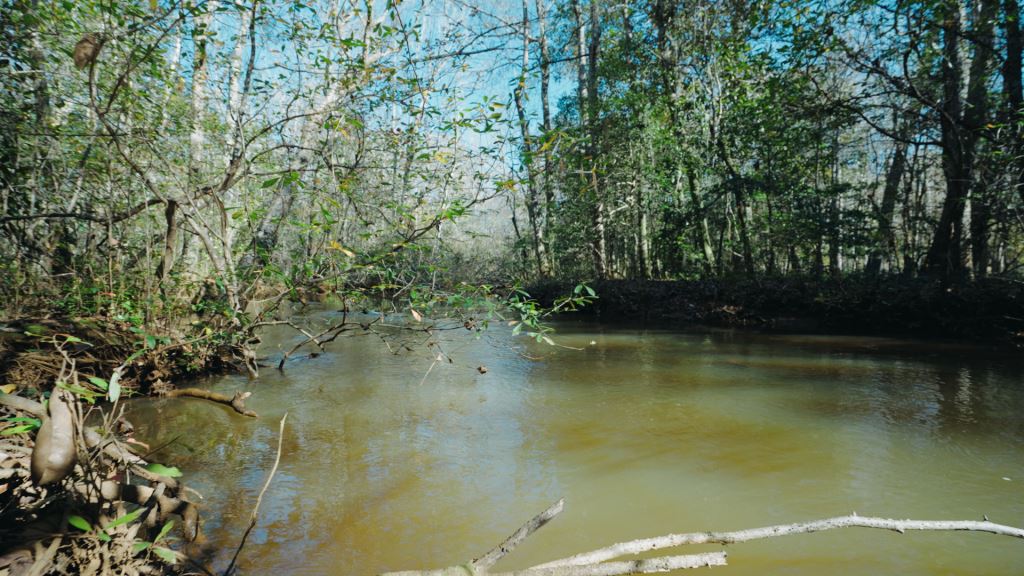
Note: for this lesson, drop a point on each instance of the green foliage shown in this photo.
(532, 315)
(21, 424)
(161, 470)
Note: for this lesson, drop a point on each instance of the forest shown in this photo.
(195, 189)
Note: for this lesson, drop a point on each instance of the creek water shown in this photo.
(392, 460)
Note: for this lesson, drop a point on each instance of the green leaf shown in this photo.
(167, 555)
(163, 531)
(98, 382)
(140, 546)
(160, 469)
(103, 536)
(18, 429)
(129, 517)
(25, 419)
(80, 523)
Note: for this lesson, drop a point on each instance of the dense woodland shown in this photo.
(175, 176)
(165, 156)
(720, 138)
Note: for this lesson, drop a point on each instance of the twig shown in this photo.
(498, 552)
(44, 561)
(259, 499)
(483, 563)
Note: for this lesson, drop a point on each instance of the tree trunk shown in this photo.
(593, 148)
(962, 124)
(1013, 91)
(545, 81)
(975, 119)
(945, 256)
(532, 195)
(705, 232)
(197, 138)
(885, 246)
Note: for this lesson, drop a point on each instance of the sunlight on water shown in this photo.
(643, 433)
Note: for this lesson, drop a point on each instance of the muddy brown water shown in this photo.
(390, 464)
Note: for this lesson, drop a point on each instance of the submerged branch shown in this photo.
(236, 402)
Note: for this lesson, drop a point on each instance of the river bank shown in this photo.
(989, 311)
(78, 493)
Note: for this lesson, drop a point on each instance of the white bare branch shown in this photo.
(852, 521)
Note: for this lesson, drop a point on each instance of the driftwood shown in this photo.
(236, 402)
(596, 562)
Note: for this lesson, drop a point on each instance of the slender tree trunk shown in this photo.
(235, 81)
(885, 246)
(197, 137)
(174, 62)
(237, 97)
(1013, 91)
(704, 231)
(961, 126)
(593, 146)
(545, 81)
(945, 258)
(200, 73)
(587, 169)
(532, 195)
(975, 120)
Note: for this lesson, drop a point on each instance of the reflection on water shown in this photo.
(643, 432)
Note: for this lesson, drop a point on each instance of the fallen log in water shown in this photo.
(597, 562)
(236, 402)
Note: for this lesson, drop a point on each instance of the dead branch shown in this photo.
(236, 402)
(23, 404)
(498, 552)
(319, 339)
(662, 564)
(594, 563)
(673, 540)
